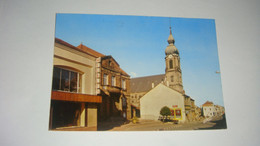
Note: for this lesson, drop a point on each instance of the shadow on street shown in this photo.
(219, 124)
(111, 123)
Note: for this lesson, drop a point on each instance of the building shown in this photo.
(160, 96)
(208, 109)
(139, 87)
(190, 108)
(74, 102)
(198, 114)
(219, 110)
(155, 92)
(113, 85)
(173, 75)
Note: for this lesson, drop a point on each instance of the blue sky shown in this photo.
(138, 43)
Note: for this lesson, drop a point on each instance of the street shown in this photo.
(149, 125)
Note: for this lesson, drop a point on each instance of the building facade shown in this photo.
(139, 87)
(113, 85)
(190, 108)
(208, 109)
(74, 102)
(160, 96)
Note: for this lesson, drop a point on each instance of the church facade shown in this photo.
(155, 92)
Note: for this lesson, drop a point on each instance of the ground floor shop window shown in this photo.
(176, 113)
(65, 114)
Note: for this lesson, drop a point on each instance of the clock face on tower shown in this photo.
(170, 56)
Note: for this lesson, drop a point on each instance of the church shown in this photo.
(149, 94)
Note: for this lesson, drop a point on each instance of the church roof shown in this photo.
(144, 84)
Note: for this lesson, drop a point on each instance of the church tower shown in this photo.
(173, 77)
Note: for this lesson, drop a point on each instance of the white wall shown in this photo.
(160, 96)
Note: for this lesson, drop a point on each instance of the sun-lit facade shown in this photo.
(74, 101)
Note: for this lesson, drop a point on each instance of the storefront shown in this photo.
(74, 99)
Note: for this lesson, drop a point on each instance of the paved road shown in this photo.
(146, 125)
(149, 125)
(159, 126)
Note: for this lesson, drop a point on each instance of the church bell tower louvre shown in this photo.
(173, 76)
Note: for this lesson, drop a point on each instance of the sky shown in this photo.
(138, 44)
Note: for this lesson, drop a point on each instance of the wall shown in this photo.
(160, 96)
(65, 56)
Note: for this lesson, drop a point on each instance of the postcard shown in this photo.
(135, 73)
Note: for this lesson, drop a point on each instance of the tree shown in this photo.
(165, 111)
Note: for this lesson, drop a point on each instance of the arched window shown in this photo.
(171, 64)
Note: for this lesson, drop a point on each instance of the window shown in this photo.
(66, 80)
(123, 84)
(105, 79)
(124, 104)
(171, 64)
(178, 112)
(113, 81)
(172, 79)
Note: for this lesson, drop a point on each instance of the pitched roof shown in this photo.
(120, 69)
(87, 50)
(208, 103)
(57, 40)
(144, 84)
(90, 51)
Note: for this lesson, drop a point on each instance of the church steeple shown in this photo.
(171, 49)
(170, 38)
(173, 69)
